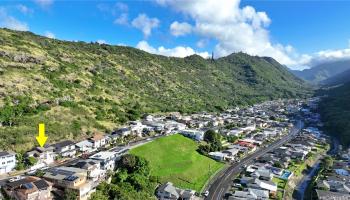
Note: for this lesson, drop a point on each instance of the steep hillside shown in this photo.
(77, 88)
(323, 71)
(341, 78)
(335, 112)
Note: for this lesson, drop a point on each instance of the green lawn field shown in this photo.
(174, 158)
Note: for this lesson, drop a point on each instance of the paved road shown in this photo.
(219, 187)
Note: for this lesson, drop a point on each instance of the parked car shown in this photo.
(206, 193)
(237, 185)
(15, 178)
(32, 172)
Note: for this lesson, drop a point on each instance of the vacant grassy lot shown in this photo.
(281, 184)
(175, 159)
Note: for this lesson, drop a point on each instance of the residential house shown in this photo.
(219, 156)
(107, 159)
(171, 126)
(44, 155)
(7, 161)
(263, 174)
(270, 132)
(93, 167)
(328, 195)
(255, 142)
(264, 185)
(168, 191)
(251, 146)
(71, 178)
(122, 132)
(241, 149)
(251, 194)
(65, 148)
(231, 152)
(85, 146)
(298, 154)
(98, 140)
(194, 134)
(249, 128)
(157, 126)
(29, 188)
(235, 132)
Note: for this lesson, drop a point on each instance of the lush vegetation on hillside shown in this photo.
(175, 159)
(338, 79)
(77, 88)
(335, 112)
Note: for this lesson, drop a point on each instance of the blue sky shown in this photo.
(298, 33)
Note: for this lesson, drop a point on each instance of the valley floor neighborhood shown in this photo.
(81, 165)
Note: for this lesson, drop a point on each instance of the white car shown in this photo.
(237, 185)
(206, 193)
(15, 178)
(44, 168)
(32, 172)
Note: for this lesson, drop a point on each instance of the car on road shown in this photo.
(206, 193)
(44, 168)
(15, 178)
(236, 185)
(32, 172)
(227, 195)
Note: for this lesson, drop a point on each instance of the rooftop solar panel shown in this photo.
(28, 185)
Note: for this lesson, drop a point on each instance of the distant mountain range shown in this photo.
(320, 73)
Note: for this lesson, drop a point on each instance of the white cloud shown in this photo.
(101, 41)
(244, 29)
(44, 3)
(24, 9)
(11, 22)
(119, 10)
(179, 29)
(327, 56)
(49, 34)
(234, 28)
(178, 51)
(122, 19)
(122, 6)
(202, 43)
(145, 24)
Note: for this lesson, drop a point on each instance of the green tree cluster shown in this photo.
(131, 181)
(213, 140)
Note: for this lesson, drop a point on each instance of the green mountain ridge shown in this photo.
(335, 112)
(77, 88)
(338, 79)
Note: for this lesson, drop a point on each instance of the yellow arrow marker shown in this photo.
(41, 138)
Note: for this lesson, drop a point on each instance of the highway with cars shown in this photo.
(223, 181)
